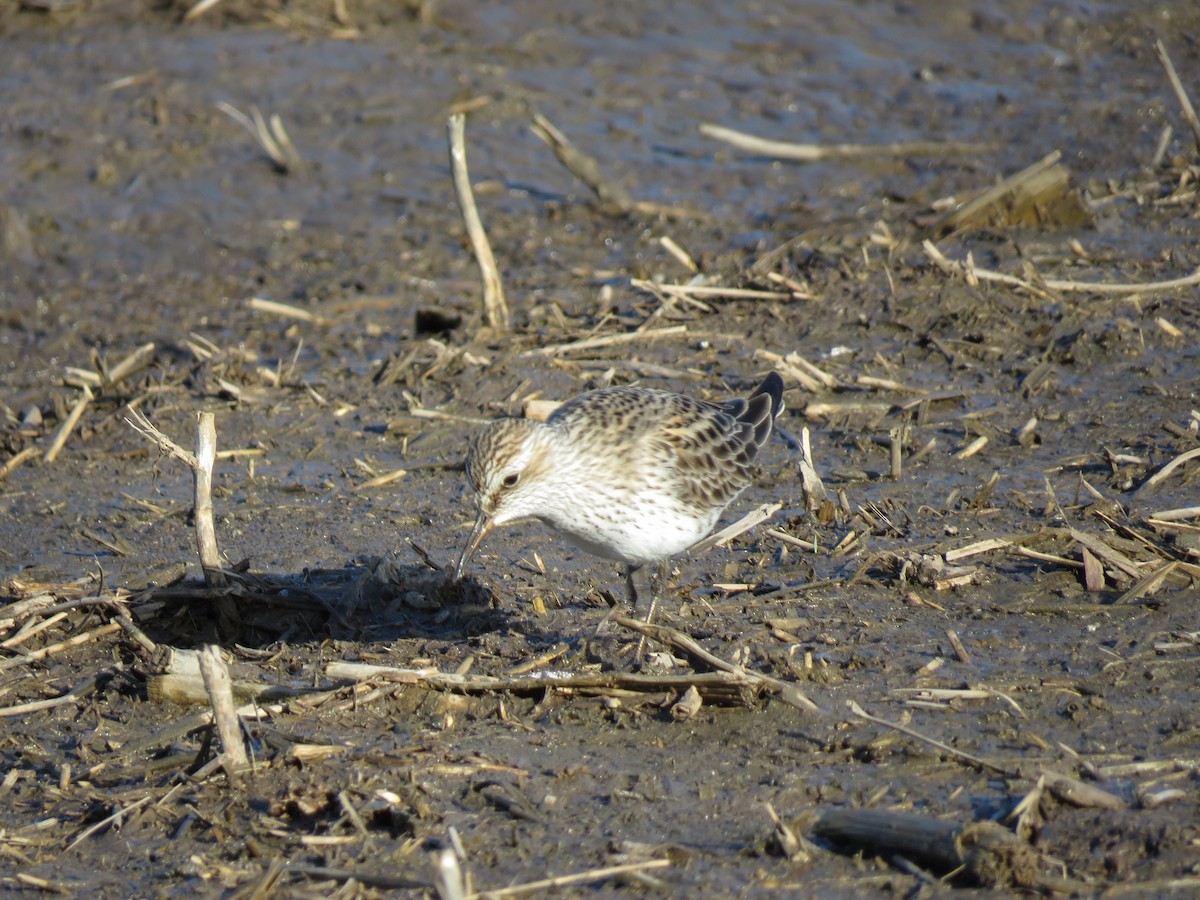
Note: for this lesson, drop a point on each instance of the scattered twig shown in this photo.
(940, 695)
(989, 853)
(1163, 473)
(1080, 794)
(272, 137)
(718, 688)
(538, 661)
(972, 448)
(951, 267)
(682, 256)
(380, 480)
(29, 629)
(1102, 551)
(707, 290)
(589, 877)
(1037, 193)
(614, 199)
(138, 358)
(1185, 103)
(1148, 584)
(607, 340)
(123, 619)
(287, 310)
(959, 650)
(797, 367)
(741, 526)
(77, 693)
(817, 152)
(10, 465)
(976, 761)
(495, 307)
(108, 820)
(672, 637)
(69, 424)
(77, 641)
(188, 690)
(199, 9)
(1175, 515)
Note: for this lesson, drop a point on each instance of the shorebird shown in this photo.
(626, 473)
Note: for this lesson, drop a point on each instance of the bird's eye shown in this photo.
(510, 480)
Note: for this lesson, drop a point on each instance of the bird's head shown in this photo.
(506, 466)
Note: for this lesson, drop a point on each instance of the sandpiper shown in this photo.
(626, 473)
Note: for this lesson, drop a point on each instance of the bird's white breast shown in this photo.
(650, 528)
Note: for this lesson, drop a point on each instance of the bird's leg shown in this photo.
(631, 596)
(657, 581)
(631, 592)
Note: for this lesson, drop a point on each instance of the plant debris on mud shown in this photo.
(245, 332)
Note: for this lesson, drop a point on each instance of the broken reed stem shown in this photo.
(206, 529)
(1185, 103)
(199, 9)
(972, 274)
(976, 761)
(220, 695)
(10, 465)
(69, 424)
(1007, 187)
(75, 695)
(121, 813)
(811, 484)
(607, 340)
(614, 199)
(287, 310)
(130, 364)
(495, 307)
(1162, 474)
(706, 290)
(560, 881)
(272, 137)
(717, 688)
(77, 641)
(673, 637)
(896, 452)
(817, 152)
(741, 526)
(201, 464)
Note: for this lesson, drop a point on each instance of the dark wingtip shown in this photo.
(762, 408)
(772, 386)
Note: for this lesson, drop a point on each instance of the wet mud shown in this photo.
(1007, 563)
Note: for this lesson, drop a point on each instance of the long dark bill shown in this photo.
(483, 527)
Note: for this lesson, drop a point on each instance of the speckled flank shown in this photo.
(630, 474)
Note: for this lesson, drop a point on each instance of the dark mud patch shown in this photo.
(1022, 589)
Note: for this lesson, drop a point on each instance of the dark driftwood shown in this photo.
(989, 853)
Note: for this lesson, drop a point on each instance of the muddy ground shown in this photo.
(136, 212)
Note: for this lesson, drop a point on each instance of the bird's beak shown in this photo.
(483, 527)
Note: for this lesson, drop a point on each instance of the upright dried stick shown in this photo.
(495, 307)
